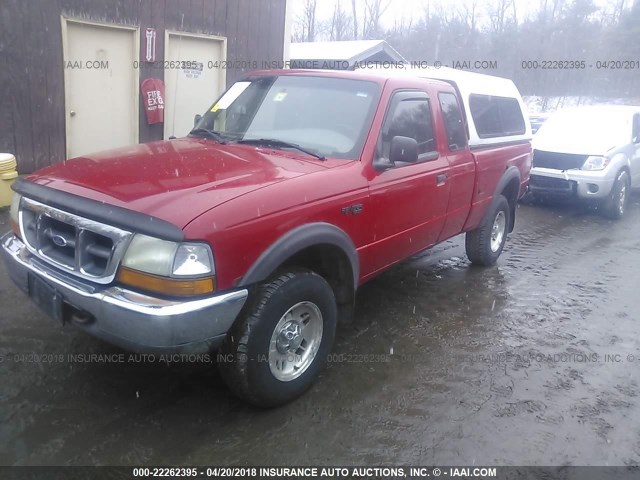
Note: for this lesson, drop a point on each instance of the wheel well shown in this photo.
(330, 262)
(510, 192)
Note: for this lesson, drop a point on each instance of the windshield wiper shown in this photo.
(273, 142)
(205, 132)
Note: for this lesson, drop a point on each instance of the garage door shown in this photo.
(193, 80)
(101, 87)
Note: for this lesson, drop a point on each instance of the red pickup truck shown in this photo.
(250, 236)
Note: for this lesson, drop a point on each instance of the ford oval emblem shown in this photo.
(59, 240)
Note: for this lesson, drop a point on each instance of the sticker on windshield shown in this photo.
(232, 94)
(362, 94)
(280, 97)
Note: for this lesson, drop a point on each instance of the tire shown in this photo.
(484, 245)
(258, 365)
(616, 204)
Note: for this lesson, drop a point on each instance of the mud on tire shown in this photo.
(259, 373)
(484, 244)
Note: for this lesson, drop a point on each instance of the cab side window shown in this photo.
(409, 116)
(456, 132)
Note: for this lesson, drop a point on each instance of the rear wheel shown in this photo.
(616, 204)
(277, 347)
(484, 244)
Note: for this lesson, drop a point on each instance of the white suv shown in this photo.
(592, 153)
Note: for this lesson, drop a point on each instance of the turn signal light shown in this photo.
(166, 286)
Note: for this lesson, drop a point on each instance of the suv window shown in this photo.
(456, 133)
(636, 128)
(409, 116)
(496, 116)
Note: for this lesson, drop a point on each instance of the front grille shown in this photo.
(88, 249)
(550, 183)
(558, 161)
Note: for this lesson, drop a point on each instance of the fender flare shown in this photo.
(508, 176)
(294, 242)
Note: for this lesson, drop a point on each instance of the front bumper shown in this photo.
(131, 320)
(571, 183)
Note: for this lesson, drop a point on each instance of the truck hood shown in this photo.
(174, 180)
(574, 144)
(583, 131)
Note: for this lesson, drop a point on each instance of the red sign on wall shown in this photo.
(153, 99)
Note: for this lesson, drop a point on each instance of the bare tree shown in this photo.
(373, 12)
(401, 28)
(307, 22)
(468, 13)
(619, 8)
(354, 11)
(498, 11)
(340, 23)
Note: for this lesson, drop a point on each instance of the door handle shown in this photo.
(441, 179)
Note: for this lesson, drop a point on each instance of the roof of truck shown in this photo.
(476, 82)
(378, 76)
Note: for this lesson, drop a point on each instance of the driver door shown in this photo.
(409, 199)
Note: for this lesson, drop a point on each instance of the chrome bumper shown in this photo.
(580, 183)
(131, 320)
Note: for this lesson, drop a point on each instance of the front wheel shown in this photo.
(484, 244)
(277, 347)
(616, 204)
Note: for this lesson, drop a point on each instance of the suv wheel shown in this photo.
(277, 347)
(616, 204)
(484, 244)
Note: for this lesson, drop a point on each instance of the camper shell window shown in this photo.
(496, 116)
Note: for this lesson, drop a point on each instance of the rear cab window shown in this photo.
(453, 122)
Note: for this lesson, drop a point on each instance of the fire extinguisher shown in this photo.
(153, 99)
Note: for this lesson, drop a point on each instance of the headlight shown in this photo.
(14, 213)
(170, 268)
(150, 255)
(596, 163)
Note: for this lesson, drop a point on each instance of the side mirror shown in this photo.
(197, 119)
(403, 149)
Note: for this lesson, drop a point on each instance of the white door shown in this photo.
(101, 87)
(194, 78)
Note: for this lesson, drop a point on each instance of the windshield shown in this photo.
(327, 116)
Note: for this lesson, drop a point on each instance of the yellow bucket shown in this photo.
(8, 175)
